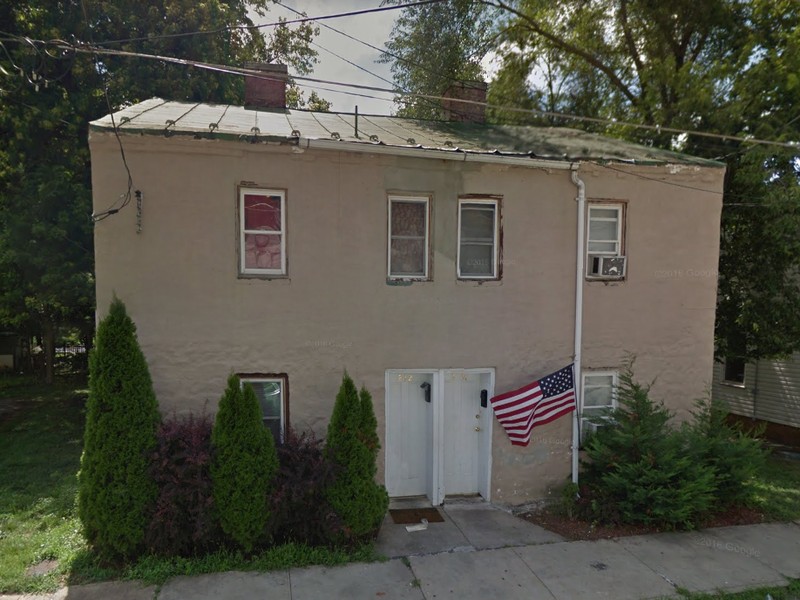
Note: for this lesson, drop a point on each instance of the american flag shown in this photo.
(535, 404)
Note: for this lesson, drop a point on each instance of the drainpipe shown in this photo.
(579, 276)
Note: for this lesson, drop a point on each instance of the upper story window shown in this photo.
(262, 231)
(604, 241)
(478, 238)
(598, 398)
(271, 394)
(408, 237)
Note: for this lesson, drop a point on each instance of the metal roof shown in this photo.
(229, 122)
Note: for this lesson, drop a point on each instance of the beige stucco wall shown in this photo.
(198, 321)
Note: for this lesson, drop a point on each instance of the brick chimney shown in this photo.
(268, 92)
(461, 111)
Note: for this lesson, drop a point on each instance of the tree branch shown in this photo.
(566, 46)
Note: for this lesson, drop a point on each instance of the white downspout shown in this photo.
(579, 275)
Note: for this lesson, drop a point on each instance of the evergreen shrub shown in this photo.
(735, 455)
(352, 445)
(641, 470)
(115, 490)
(243, 467)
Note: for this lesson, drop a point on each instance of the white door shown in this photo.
(438, 443)
(409, 433)
(463, 422)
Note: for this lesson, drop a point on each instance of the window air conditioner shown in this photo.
(591, 426)
(607, 267)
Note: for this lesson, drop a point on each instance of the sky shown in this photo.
(373, 28)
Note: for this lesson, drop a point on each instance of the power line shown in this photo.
(257, 74)
(352, 13)
(221, 68)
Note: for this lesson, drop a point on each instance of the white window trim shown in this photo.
(614, 384)
(426, 260)
(242, 231)
(495, 242)
(282, 382)
(619, 208)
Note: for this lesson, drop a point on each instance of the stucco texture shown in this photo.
(198, 320)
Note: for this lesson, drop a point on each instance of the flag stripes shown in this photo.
(537, 403)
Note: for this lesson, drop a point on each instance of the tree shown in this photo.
(431, 47)
(243, 467)
(47, 98)
(352, 446)
(115, 490)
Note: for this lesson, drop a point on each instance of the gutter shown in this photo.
(580, 265)
(454, 155)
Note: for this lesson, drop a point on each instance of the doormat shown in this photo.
(406, 516)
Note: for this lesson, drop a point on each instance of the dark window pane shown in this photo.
(476, 259)
(408, 257)
(262, 251)
(262, 212)
(734, 370)
(408, 218)
(477, 222)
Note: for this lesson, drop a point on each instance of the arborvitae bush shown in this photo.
(736, 456)
(243, 466)
(115, 490)
(359, 501)
(183, 521)
(302, 514)
(369, 427)
(640, 469)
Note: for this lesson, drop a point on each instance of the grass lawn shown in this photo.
(41, 438)
(778, 490)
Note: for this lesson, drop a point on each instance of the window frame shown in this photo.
(496, 271)
(614, 387)
(734, 382)
(621, 208)
(409, 198)
(283, 380)
(266, 192)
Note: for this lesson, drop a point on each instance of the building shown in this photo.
(438, 262)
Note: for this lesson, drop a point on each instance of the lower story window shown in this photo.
(598, 399)
(271, 394)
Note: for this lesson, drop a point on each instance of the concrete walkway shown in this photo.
(480, 552)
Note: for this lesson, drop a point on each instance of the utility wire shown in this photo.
(352, 13)
(124, 198)
(259, 75)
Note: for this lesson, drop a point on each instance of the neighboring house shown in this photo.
(435, 261)
(10, 351)
(763, 392)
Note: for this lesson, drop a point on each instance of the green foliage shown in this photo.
(352, 445)
(40, 449)
(640, 469)
(115, 490)
(735, 456)
(46, 244)
(457, 30)
(243, 466)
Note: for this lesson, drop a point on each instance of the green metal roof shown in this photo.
(216, 121)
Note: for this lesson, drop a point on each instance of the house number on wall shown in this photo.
(404, 377)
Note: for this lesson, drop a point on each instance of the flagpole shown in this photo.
(579, 275)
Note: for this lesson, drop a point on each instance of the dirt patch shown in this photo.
(42, 568)
(578, 529)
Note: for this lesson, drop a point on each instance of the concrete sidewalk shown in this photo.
(480, 552)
